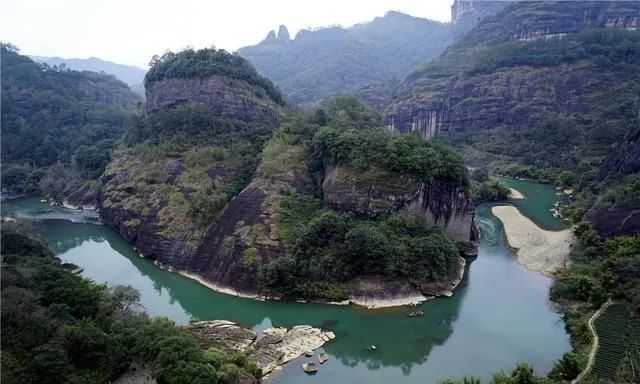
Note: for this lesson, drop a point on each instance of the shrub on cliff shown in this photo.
(207, 62)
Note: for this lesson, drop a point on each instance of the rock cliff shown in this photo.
(225, 96)
(455, 93)
(192, 206)
(469, 12)
(374, 192)
(622, 219)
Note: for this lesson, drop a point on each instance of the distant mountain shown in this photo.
(335, 60)
(131, 75)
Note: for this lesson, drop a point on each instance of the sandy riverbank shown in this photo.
(536, 249)
(515, 194)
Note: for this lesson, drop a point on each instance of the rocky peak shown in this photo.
(283, 34)
(271, 37)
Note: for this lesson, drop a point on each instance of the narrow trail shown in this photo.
(594, 346)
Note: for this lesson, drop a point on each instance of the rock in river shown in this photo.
(274, 347)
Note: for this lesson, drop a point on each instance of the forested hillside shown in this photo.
(58, 126)
(537, 90)
(60, 328)
(335, 60)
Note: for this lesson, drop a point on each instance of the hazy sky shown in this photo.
(131, 31)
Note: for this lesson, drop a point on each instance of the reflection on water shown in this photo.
(500, 314)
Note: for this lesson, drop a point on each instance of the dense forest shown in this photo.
(58, 125)
(60, 328)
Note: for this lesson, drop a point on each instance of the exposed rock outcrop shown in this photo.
(223, 95)
(620, 220)
(283, 34)
(273, 347)
(446, 95)
(471, 11)
(624, 160)
(375, 191)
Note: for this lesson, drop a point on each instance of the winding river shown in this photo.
(499, 315)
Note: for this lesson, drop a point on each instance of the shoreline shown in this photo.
(212, 286)
(372, 302)
(535, 248)
(515, 194)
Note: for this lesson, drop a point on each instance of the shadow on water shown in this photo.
(499, 315)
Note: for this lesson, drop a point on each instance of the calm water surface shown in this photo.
(499, 316)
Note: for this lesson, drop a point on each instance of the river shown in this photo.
(499, 315)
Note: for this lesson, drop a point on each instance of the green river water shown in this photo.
(499, 315)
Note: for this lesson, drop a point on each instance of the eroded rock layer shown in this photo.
(376, 191)
(449, 94)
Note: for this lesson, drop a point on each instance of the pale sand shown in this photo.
(397, 301)
(536, 249)
(515, 194)
(68, 205)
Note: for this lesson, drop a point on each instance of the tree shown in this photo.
(565, 178)
(566, 368)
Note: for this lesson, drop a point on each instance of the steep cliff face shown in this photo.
(620, 220)
(469, 12)
(192, 205)
(374, 192)
(623, 218)
(624, 160)
(223, 95)
(465, 90)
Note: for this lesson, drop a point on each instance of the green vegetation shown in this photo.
(610, 48)
(209, 62)
(601, 269)
(485, 188)
(60, 328)
(190, 158)
(57, 124)
(330, 61)
(522, 374)
(351, 139)
(611, 328)
(565, 148)
(326, 249)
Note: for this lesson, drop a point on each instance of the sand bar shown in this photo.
(537, 249)
(515, 194)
